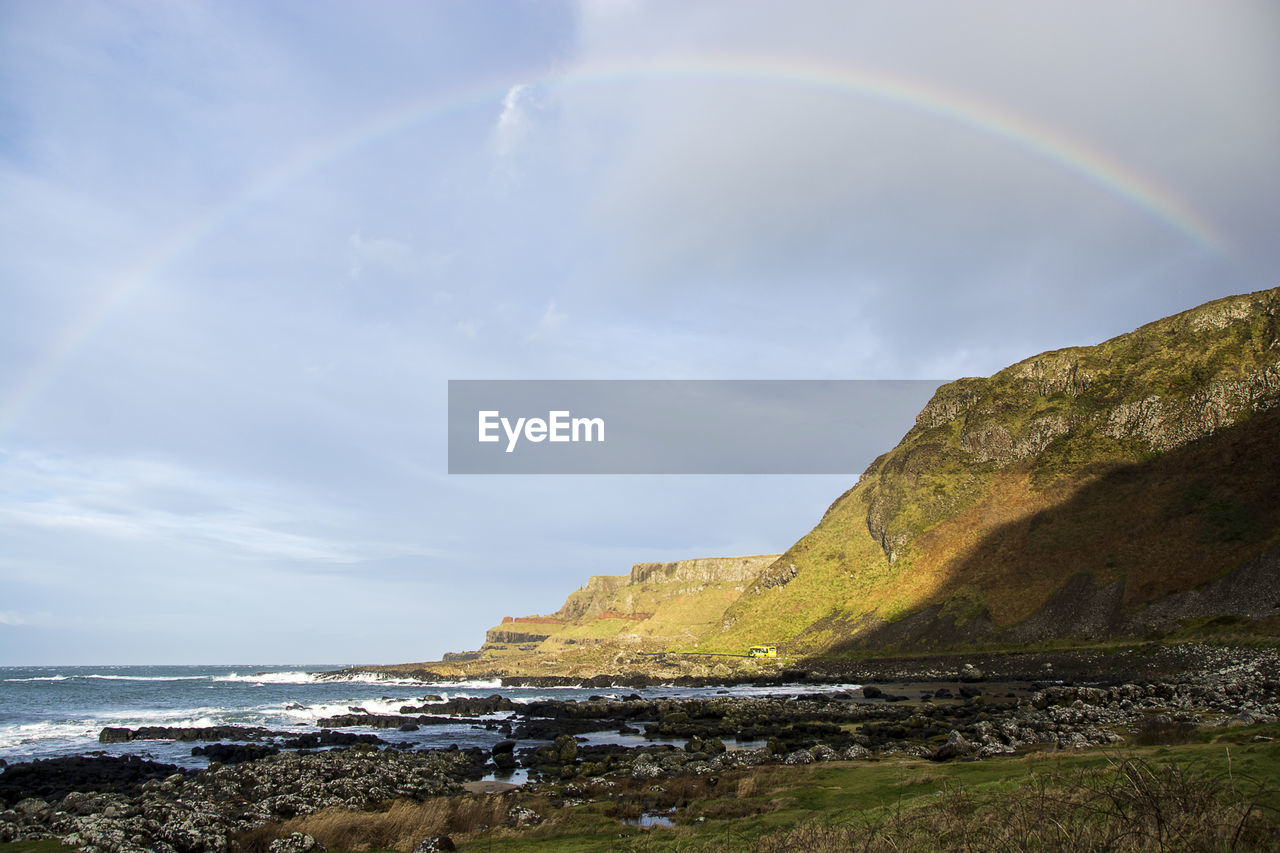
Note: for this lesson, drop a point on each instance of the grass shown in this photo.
(1129, 806)
(401, 826)
(1218, 791)
(34, 847)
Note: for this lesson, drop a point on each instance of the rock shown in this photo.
(234, 753)
(327, 737)
(1072, 740)
(566, 749)
(53, 778)
(114, 734)
(1244, 718)
(521, 816)
(435, 844)
(969, 672)
(871, 692)
(32, 809)
(955, 747)
(296, 842)
(856, 753)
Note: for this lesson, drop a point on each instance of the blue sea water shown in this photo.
(54, 711)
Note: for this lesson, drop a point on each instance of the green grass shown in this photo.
(770, 808)
(848, 794)
(34, 847)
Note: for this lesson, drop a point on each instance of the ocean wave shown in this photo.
(25, 734)
(310, 713)
(146, 677)
(271, 678)
(371, 678)
(100, 677)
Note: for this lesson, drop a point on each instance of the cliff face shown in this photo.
(655, 605)
(1126, 489)
(1082, 492)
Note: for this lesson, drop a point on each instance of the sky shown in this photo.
(244, 247)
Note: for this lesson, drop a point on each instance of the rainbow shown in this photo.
(1075, 156)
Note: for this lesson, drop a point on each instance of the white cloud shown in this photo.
(148, 501)
(549, 324)
(513, 123)
(834, 135)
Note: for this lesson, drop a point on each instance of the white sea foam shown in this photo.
(147, 677)
(25, 734)
(478, 684)
(298, 677)
(311, 713)
(271, 678)
(100, 677)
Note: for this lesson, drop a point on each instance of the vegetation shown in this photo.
(1054, 500)
(1133, 462)
(1215, 792)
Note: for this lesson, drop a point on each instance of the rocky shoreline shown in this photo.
(970, 711)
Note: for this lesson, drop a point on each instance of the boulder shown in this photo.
(955, 747)
(435, 844)
(296, 842)
(566, 749)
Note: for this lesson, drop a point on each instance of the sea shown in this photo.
(52, 711)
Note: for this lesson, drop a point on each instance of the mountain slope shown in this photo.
(1066, 496)
(1126, 489)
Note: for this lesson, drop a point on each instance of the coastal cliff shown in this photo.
(655, 607)
(1127, 489)
(1124, 489)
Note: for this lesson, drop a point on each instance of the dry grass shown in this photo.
(400, 827)
(1131, 807)
(920, 779)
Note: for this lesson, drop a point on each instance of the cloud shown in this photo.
(146, 501)
(549, 324)
(311, 249)
(512, 124)
(799, 153)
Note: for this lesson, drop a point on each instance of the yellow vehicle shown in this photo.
(762, 652)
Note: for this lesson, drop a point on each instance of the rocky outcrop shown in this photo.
(200, 812)
(707, 570)
(631, 600)
(112, 734)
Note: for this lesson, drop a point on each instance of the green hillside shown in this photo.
(1077, 493)
(1128, 489)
